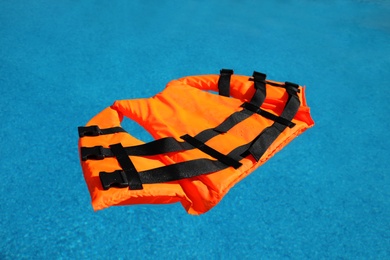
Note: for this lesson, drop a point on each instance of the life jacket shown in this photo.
(210, 132)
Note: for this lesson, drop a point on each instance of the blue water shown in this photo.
(325, 196)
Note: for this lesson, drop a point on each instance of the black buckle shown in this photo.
(117, 178)
(226, 71)
(92, 130)
(292, 86)
(92, 153)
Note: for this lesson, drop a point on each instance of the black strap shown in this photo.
(173, 172)
(130, 173)
(168, 173)
(259, 96)
(94, 130)
(268, 115)
(224, 82)
(212, 152)
(129, 177)
(257, 100)
(159, 146)
(269, 134)
(239, 116)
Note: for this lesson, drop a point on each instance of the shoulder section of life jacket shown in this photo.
(210, 132)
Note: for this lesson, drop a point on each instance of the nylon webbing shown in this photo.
(269, 134)
(159, 146)
(172, 172)
(268, 115)
(224, 82)
(167, 173)
(225, 126)
(239, 116)
(259, 96)
(131, 175)
(212, 152)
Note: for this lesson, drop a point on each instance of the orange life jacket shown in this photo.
(204, 142)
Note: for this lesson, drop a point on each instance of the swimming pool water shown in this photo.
(326, 195)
